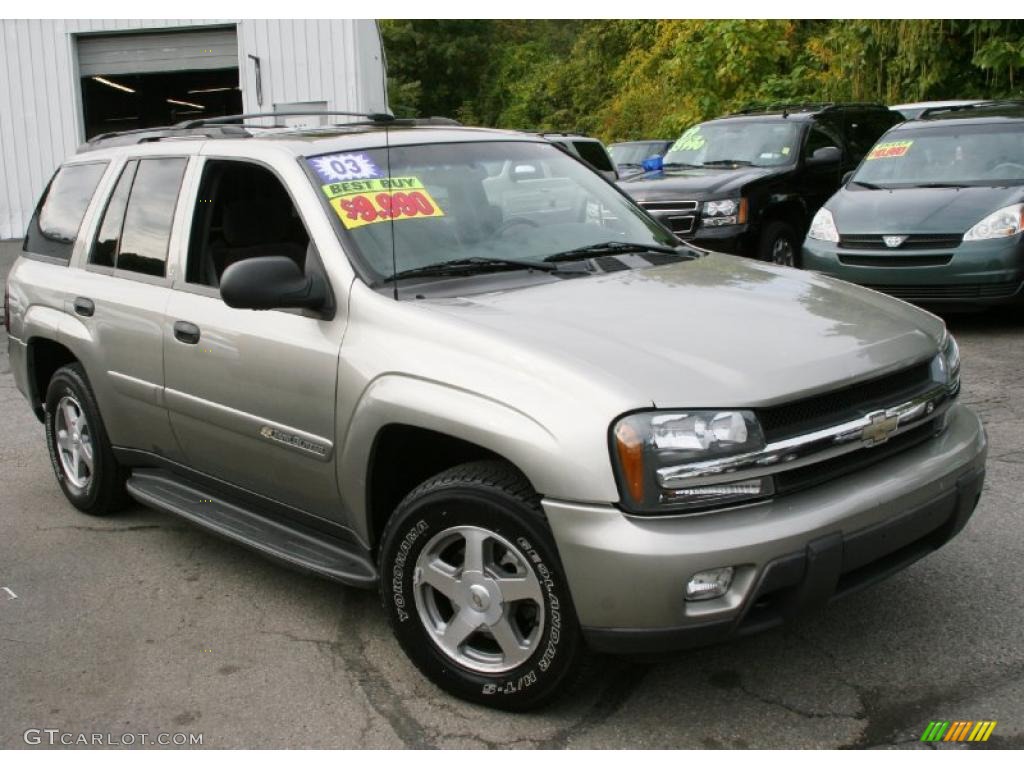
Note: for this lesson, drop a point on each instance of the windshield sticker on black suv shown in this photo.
(690, 140)
(345, 167)
(890, 149)
(359, 203)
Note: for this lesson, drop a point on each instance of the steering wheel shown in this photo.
(1010, 167)
(517, 221)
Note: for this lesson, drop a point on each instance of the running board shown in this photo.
(291, 543)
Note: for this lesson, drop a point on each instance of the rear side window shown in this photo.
(594, 154)
(58, 217)
(104, 250)
(865, 129)
(136, 228)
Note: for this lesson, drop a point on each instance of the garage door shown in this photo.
(158, 52)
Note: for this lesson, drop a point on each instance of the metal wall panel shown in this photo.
(337, 61)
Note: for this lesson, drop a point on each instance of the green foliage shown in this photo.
(624, 79)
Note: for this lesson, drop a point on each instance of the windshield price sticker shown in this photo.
(345, 167)
(359, 203)
(890, 149)
(690, 140)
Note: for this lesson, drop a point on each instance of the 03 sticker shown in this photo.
(890, 149)
(348, 166)
(359, 203)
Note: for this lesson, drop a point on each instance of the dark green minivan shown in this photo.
(934, 214)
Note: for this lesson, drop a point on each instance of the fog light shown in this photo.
(707, 585)
(720, 495)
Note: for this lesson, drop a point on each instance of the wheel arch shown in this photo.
(405, 430)
(43, 358)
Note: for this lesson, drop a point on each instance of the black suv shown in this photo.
(749, 183)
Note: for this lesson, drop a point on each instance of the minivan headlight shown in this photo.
(823, 227)
(1005, 222)
(644, 443)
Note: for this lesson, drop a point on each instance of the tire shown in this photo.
(486, 507)
(779, 244)
(75, 437)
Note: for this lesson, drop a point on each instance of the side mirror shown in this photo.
(271, 282)
(653, 163)
(846, 177)
(825, 156)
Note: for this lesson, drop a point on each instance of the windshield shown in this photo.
(746, 142)
(635, 154)
(954, 155)
(481, 201)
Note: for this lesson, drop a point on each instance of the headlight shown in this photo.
(648, 448)
(1003, 223)
(723, 213)
(950, 357)
(823, 227)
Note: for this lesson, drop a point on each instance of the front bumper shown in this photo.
(627, 575)
(983, 273)
(739, 240)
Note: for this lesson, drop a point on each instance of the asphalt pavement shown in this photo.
(141, 624)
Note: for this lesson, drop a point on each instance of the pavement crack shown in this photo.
(102, 529)
(380, 694)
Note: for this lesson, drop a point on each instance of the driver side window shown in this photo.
(816, 139)
(242, 211)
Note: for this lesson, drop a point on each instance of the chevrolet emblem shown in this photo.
(880, 429)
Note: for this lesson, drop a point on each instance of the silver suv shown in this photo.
(458, 366)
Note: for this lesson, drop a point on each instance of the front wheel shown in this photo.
(780, 245)
(474, 591)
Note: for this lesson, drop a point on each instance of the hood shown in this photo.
(718, 331)
(703, 183)
(915, 210)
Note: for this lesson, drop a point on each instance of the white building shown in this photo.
(63, 81)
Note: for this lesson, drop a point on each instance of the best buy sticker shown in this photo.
(359, 203)
(890, 149)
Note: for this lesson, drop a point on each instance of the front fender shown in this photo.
(510, 433)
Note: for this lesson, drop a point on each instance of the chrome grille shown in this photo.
(680, 216)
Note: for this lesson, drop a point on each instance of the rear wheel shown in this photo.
(780, 245)
(474, 590)
(80, 452)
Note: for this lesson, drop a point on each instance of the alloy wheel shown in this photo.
(479, 599)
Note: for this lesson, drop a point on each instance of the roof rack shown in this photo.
(373, 117)
(806, 106)
(230, 127)
(931, 111)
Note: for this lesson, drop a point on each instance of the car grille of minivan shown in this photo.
(903, 260)
(912, 242)
(819, 411)
(680, 216)
(946, 292)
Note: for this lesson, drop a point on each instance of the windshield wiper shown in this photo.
(611, 248)
(681, 165)
(727, 162)
(867, 184)
(471, 265)
(943, 185)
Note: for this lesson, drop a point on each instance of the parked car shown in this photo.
(354, 357)
(749, 183)
(629, 156)
(934, 213)
(915, 110)
(588, 149)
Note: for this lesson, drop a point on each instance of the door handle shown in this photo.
(186, 332)
(84, 306)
